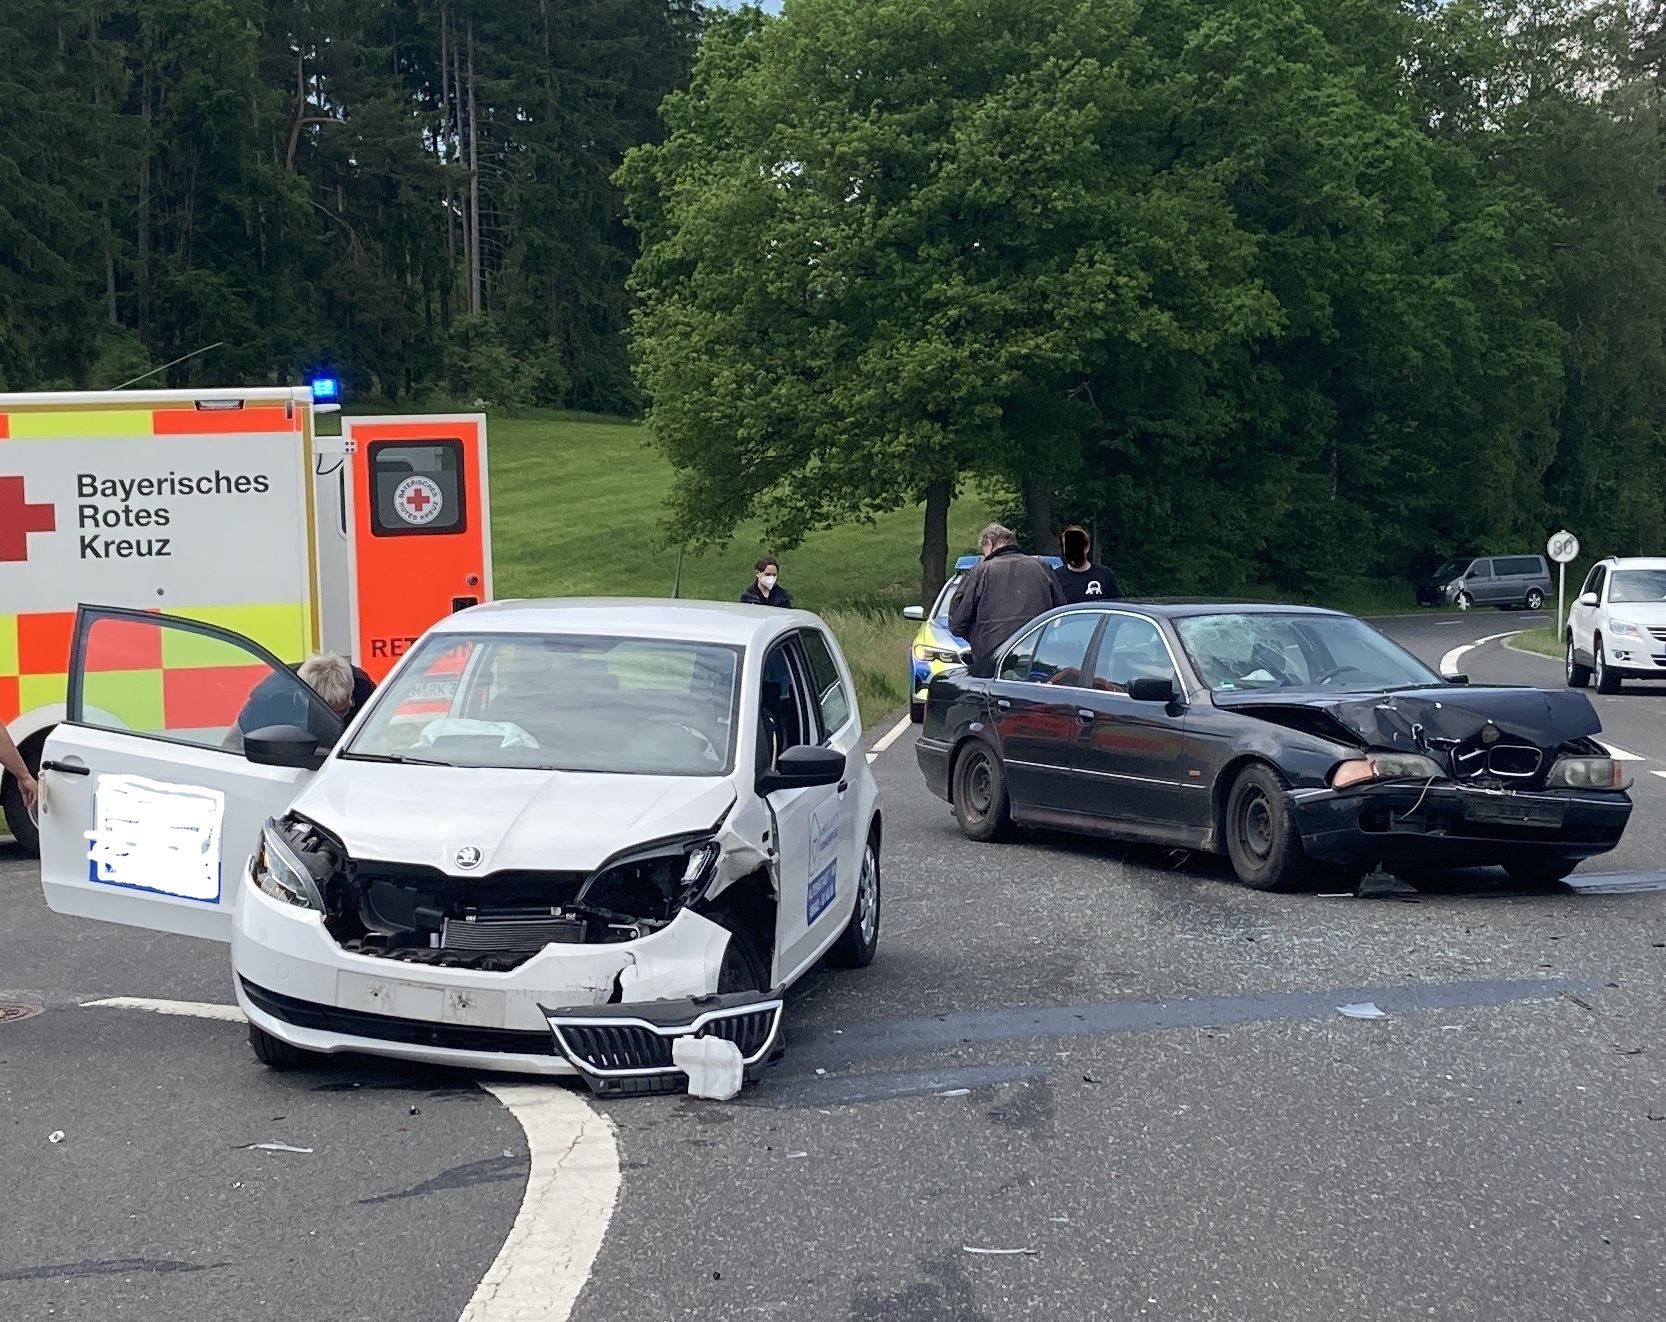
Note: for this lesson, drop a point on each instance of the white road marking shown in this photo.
(195, 1009)
(571, 1188)
(1449, 662)
(895, 733)
(1661, 774)
(1620, 754)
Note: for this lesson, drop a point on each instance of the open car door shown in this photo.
(149, 804)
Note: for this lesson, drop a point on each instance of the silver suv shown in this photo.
(1508, 582)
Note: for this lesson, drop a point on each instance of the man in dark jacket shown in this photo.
(1000, 596)
(1082, 579)
(765, 588)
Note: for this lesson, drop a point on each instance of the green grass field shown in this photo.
(1545, 642)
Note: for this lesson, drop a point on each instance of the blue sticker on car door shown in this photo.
(824, 861)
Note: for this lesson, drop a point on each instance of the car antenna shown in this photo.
(165, 366)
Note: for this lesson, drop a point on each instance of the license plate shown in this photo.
(1506, 811)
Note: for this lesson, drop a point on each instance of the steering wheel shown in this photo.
(703, 744)
(1338, 672)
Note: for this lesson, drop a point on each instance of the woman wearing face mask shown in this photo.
(765, 589)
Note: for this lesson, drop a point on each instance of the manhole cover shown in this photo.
(10, 1012)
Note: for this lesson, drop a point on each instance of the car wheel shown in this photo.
(1608, 681)
(858, 943)
(744, 969)
(1578, 676)
(1261, 838)
(22, 826)
(1463, 601)
(917, 712)
(1535, 599)
(276, 1054)
(980, 794)
(1540, 871)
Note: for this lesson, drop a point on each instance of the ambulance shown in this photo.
(224, 507)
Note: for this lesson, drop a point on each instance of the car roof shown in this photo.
(1636, 561)
(1182, 607)
(676, 619)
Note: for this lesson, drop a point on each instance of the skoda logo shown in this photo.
(468, 857)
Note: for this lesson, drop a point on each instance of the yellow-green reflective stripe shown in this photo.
(27, 426)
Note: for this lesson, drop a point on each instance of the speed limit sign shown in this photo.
(1563, 547)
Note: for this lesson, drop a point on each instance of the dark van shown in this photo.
(1509, 582)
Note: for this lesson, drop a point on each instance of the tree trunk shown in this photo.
(475, 301)
(445, 139)
(934, 542)
(300, 107)
(1038, 514)
(141, 268)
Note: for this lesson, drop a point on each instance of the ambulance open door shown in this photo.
(421, 527)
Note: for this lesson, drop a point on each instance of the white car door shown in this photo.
(150, 805)
(816, 877)
(1582, 617)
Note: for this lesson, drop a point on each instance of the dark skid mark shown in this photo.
(108, 1267)
(426, 1086)
(493, 1170)
(1029, 1111)
(945, 1296)
(798, 1093)
(904, 1037)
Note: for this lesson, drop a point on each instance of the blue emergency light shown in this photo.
(326, 390)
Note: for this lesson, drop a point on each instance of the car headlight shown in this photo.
(1586, 773)
(279, 871)
(1385, 766)
(1620, 629)
(925, 652)
(653, 882)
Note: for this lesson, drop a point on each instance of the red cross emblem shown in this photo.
(18, 518)
(418, 499)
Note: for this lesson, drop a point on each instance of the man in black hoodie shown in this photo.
(1000, 596)
(765, 588)
(1082, 579)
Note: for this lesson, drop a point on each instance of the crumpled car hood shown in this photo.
(533, 820)
(1405, 719)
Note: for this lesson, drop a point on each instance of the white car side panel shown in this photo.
(142, 887)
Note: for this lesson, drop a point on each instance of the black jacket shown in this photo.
(1095, 583)
(999, 597)
(778, 596)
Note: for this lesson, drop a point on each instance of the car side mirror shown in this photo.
(1589, 599)
(913, 612)
(803, 767)
(284, 746)
(1147, 689)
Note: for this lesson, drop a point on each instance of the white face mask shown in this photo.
(768, 582)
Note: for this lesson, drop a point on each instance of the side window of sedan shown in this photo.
(1133, 649)
(1062, 649)
(1016, 664)
(784, 720)
(830, 688)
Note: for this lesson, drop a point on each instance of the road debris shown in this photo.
(416, 1110)
(56, 1136)
(715, 1067)
(1629, 1051)
(1000, 1253)
(272, 1147)
(1361, 1010)
(795, 1156)
(1384, 886)
(1581, 1002)
(956, 1092)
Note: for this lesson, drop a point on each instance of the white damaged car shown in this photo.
(561, 834)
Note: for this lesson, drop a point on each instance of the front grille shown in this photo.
(611, 1045)
(1508, 761)
(390, 1028)
(510, 935)
(1658, 634)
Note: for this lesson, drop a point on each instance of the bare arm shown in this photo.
(13, 762)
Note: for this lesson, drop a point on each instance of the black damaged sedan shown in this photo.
(1287, 738)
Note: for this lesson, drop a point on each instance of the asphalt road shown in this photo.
(1015, 1072)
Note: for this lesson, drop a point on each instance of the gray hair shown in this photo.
(996, 535)
(330, 677)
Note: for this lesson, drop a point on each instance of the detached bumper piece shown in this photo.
(625, 1050)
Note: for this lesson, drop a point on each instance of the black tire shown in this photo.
(744, 969)
(1608, 681)
(1535, 600)
(859, 942)
(1578, 676)
(1261, 838)
(1540, 871)
(979, 787)
(1463, 601)
(18, 821)
(279, 1055)
(917, 712)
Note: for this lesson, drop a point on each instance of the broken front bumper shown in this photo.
(627, 1049)
(1451, 825)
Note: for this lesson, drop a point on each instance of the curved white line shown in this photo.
(1449, 662)
(571, 1189)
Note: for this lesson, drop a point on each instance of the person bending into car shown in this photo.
(765, 588)
(343, 687)
(1081, 577)
(1002, 594)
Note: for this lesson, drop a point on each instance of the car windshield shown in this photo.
(633, 706)
(1638, 585)
(945, 600)
(1452, 569)
(1235, 653)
